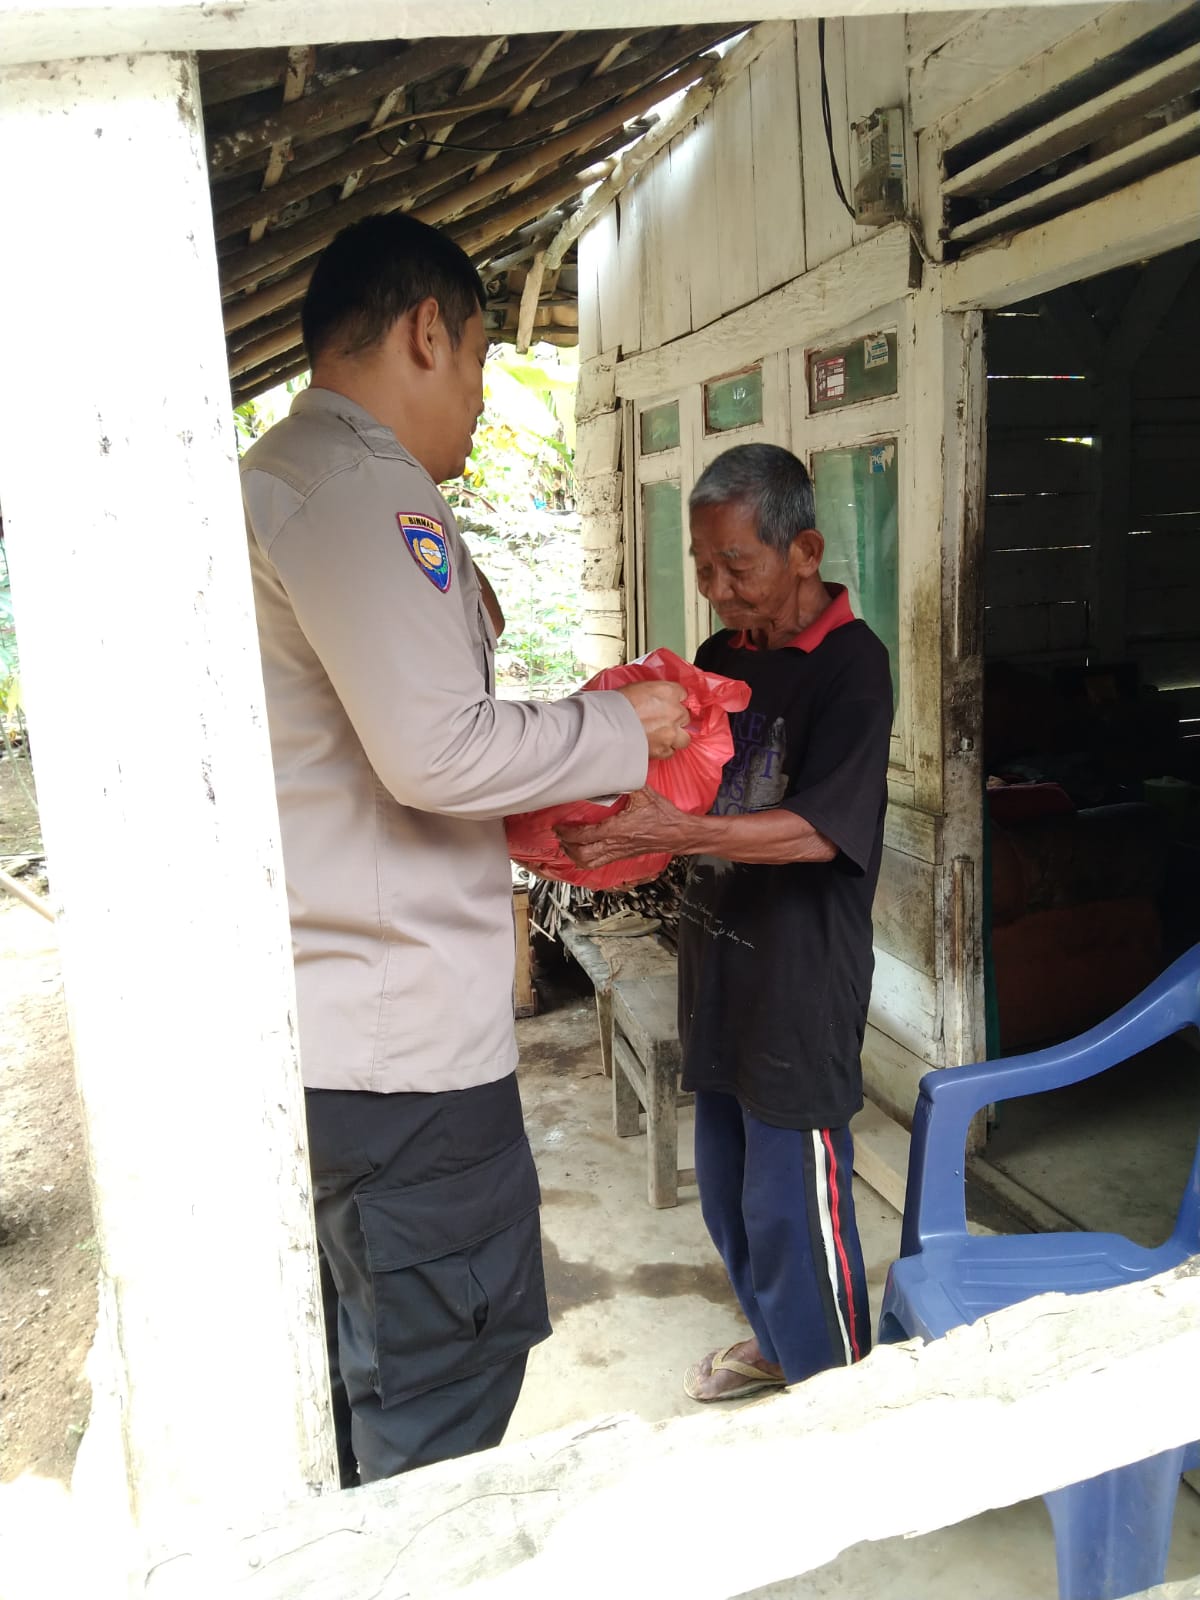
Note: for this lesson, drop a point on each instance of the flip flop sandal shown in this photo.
(720, 1362)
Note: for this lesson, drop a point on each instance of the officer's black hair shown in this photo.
(373, 272)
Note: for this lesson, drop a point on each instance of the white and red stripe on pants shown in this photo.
(779, 1205)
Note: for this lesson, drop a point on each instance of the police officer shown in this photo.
(394, 766)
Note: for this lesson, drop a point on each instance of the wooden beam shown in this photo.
(471, 79)
(100, 27)
(1154, 87)
(482, 128)
(366, 151)
(476, 232)
(495, 226)
(1171, 141)
(988, 44)
(525, 241)
(289, 316)
(530, 295)
(477, 236)
(1106, 31)
(261, 385)
(1097, 1380)
(339, 105)
(280, 342)
(300, 64)
(351, 180)
(178, 981)
(610, 57)
(1153, 215)
(249, 308)
(738, 60)
(290, 245)
(231, 74)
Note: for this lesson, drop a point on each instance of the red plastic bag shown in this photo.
(689, 779)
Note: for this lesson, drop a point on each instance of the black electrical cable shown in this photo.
(827, 119)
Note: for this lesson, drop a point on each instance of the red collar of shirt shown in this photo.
(835, 615)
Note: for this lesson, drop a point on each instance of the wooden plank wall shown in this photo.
(743, 201)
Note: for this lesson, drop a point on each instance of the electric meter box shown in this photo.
(878, 142)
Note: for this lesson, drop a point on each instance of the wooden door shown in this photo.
(887, 414)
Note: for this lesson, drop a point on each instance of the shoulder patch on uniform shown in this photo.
(426, 540)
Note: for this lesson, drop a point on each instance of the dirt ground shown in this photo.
(47, 1246)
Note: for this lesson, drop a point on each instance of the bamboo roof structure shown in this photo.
(492, 139)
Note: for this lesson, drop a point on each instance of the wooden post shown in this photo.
(144, 689)
(530, 295)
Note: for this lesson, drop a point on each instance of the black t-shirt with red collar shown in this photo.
(775, 962)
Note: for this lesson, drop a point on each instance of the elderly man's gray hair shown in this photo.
(768, 480)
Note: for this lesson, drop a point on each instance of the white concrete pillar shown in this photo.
(144, 693)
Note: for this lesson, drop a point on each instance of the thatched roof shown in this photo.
(493, 139)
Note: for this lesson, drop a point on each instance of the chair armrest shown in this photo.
(935, 1205)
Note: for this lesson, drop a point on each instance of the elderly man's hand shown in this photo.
(649, 824)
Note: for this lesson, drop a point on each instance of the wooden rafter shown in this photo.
(484, 60)
(475, 233)
(488, 128)
(493, 139)
(340, 105)
(300, 64)
(291, 245)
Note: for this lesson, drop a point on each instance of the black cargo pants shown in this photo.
(431, 1269)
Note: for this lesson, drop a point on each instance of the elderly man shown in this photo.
(775, 956)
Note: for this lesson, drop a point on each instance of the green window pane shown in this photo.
(733, 402)
(864, 369)
(662, 521)
(858, 494)
(660, 428)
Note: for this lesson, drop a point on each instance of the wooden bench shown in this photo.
(605, 959)
(525, 1000)
(646, 1062)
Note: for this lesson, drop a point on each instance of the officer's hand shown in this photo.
(663, 715)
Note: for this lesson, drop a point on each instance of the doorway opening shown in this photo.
(1092, 699)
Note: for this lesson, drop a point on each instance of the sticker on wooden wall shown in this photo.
(849, 374)
(829, 379)
(875, 351)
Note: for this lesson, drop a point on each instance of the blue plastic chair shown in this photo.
(1111, 1532)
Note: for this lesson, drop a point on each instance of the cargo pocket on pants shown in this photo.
(456, 1269)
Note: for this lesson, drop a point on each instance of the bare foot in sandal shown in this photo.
(738, 1370)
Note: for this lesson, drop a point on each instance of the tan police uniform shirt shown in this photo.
(394, 763)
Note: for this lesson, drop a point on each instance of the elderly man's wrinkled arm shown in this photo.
(652, 824)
